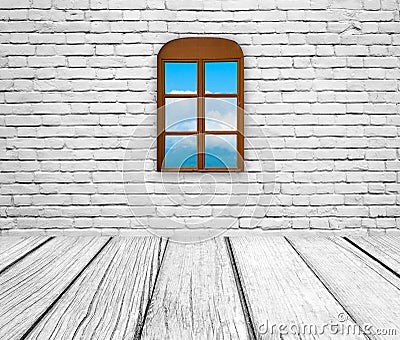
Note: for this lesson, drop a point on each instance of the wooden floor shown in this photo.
(272, 287)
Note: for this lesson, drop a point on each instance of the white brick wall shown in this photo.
(78, 77)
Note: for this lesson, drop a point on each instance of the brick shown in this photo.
(43, 4)
(8, 4)
(129, 26)
(351, 188)
(132, 50)
(293, 4)
(351, 50)
(372, 4)
(320, 95)
(384, 62)
(18, 50)
(72, 26)
(319, 223)
(71, 4)
(126, 4)
(347, 4)
(322, 38)
(80, 50)
(298, 50)
(46, 61)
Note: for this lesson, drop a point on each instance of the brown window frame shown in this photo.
(200, 50)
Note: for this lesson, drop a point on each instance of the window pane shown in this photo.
(221, 114)
(180, 78)
(180, 151)
(180, 114)
(220, 151)
(221, 77)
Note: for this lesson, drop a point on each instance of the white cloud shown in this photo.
(181, 141)
(181, 114)
(221, 114)
(181, 92)
(226, 142)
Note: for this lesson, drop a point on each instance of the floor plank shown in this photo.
(196, 295)
(385, 248)
(357, 283)
(367, 260)
(108, 301)
(14, 248)
(30, 286)
(281, 289)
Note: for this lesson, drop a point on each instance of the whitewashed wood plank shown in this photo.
(109, 299)
(366, 260)
(30, 286)
(196, 295)
(358, 284)
(281, 290)
(14, 248)
(385, 248)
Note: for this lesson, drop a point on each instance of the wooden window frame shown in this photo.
(200, 50)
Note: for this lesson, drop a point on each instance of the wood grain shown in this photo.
(109, 299)
(281, 289)
(356, 282)
(30, 286)
(14, 248)
(196, 296)
(385, 248)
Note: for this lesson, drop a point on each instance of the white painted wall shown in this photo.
(321, 89)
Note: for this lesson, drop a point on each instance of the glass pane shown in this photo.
(220, 151)
(180, 78)
(221, 114)
(180, 151)
(180, 114)
(221, 77)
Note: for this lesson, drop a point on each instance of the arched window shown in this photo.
(200, 102)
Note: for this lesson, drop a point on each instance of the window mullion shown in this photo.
(200, 114)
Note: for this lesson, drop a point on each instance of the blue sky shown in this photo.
(180, 77)
(180, 151)
(220, 151)
(181, 114)
(221, 113)
(220, 77)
